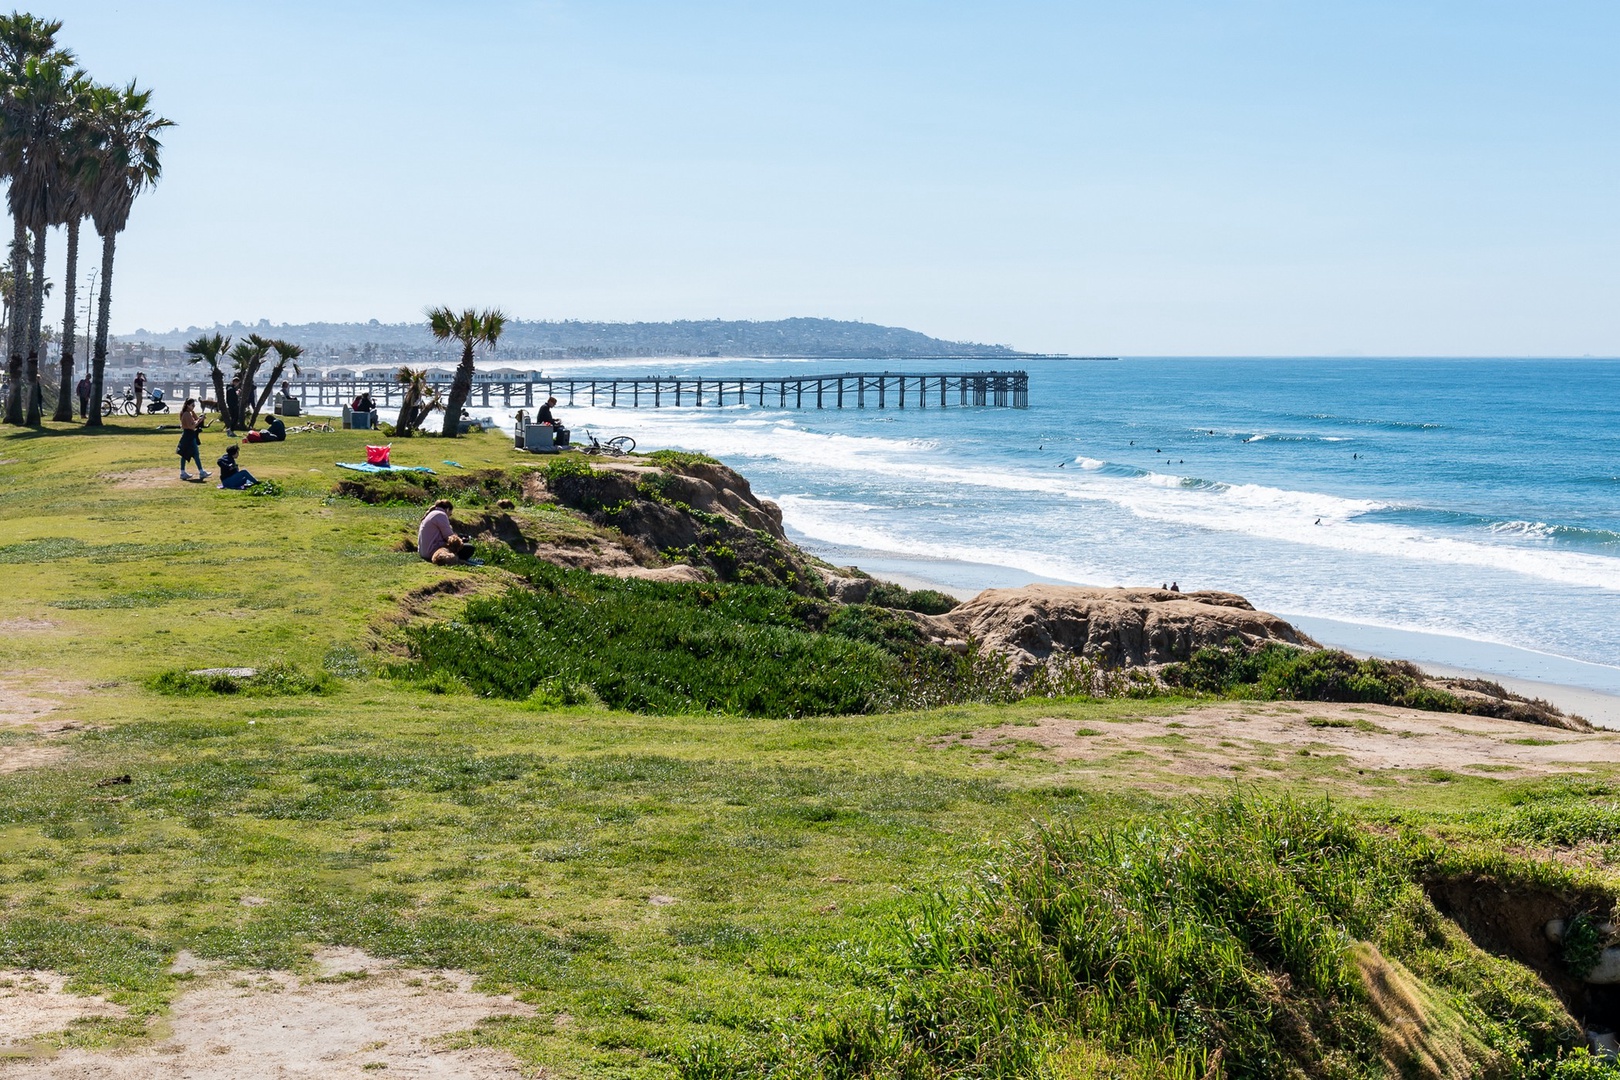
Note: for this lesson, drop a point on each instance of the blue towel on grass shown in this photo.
(367, 467)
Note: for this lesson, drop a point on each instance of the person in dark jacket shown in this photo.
(233, 408)
(231, 474)
(84, 396)
(275, 430)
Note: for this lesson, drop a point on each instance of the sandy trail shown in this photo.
(29, 705)
(1232, 738)
(358, 1017)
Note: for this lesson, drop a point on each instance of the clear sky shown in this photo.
(1402, 177)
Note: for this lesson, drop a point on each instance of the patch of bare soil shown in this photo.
(358, 1017)
(17, 758)
(33, 1003)
(24, 625)
(1232, 738)
(142, 479)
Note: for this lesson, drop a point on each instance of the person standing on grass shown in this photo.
(190, 448)
(84, 396)
(233, 403)
(139, 389)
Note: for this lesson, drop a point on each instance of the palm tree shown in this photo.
(246, 357)
(421, 398)
(77, 166)
(25, 41)
(471, 328)
(286, 353)
(125, 163)
(208, 349)
(43, 101)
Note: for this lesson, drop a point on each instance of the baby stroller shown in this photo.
(157, 404)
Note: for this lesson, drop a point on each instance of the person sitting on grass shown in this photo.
(232, 475)
(436, 539)
(275, 430)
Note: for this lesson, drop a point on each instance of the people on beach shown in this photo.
(436, 539)
(139, 390)
(83, 389)
(231, 474)
(190, 448)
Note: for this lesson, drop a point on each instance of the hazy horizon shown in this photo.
(1166, 179)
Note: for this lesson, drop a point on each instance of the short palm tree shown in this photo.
(247, 357)
(286, 353)
(420, 400)
(210, 349)
(471, 328)
(125, 163)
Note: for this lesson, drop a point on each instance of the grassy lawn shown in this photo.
(649, 883)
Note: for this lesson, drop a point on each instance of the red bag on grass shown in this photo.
(377, 455)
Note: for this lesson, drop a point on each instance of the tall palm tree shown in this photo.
(208, 349)
(125, 163)
(72, 206)
(420, 400)
(286, 353)
(471, 328)
(25, 42)
(41, 107)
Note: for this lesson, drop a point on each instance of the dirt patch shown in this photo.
(23, 625)
(142, 479)
(25, 701)
(1233, 738)
(34, 1002)
(356, 1017)
(17, 758)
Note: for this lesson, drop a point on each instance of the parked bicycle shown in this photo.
(122, 402)
(618, 446)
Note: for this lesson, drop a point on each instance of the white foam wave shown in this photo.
(1090, 464)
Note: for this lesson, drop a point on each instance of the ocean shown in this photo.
(1459, 512)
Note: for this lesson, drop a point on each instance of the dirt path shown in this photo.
(358, 1017)
(1235, 739)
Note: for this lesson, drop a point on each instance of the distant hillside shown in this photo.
(830, 338)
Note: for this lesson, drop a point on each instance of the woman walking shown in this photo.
(190, 448)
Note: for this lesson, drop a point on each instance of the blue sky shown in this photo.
(1127, 178)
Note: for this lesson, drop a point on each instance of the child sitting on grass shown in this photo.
(232, 475)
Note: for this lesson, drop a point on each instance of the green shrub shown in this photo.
(926, 601)
(276, 680)
(680, 457)
(566, 465)
(1283, 672)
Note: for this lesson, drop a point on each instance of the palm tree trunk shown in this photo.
(219, 394)
(269, 387)
(98, 362)
(407, 410)
(19, 322)
(35, 318)
(65, 389)
(460, 391)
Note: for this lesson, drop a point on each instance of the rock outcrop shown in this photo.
(1115, 627)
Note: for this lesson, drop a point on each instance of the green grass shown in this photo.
(837, 881)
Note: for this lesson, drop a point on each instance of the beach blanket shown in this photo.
(362, 466)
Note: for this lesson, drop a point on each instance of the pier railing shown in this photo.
(845, 390)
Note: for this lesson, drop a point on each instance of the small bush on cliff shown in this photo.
(925, 601)
(1282, 672)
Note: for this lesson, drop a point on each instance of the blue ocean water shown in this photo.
(1474, 498)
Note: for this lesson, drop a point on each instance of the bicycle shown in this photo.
(618, 446)
(119, 403)
(309, 428)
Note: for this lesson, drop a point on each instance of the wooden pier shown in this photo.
(846, 390)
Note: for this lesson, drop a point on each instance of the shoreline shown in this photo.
(1575, 686)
